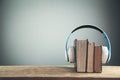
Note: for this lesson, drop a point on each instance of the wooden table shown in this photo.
(56, 73)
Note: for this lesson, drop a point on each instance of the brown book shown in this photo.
(90, 57)
(98, 59)
(81, 52)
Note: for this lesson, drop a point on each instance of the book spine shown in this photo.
(98, 59)
(75, 64)
(81, 53)
(90, 57)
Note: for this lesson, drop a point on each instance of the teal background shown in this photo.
(33, 32)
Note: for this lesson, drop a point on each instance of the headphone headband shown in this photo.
(92, 27)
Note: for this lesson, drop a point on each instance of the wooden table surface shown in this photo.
(108, 72)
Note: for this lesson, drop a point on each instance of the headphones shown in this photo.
(106, 50)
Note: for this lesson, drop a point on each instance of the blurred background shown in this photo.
(33, 32)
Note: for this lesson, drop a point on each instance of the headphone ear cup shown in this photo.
(104, 54)
(71, 54)
(66, 57)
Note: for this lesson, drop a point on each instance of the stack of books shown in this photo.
(88, 57)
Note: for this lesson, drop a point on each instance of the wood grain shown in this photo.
(56, 71)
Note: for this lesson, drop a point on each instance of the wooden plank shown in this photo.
(55, 78)
(81, 53)
(56, 71)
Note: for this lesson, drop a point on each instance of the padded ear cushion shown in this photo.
(71, 54)
(104, 54)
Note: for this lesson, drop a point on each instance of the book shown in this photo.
(81, 53)
(90, 57)
(98, 59)
(75, 64)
